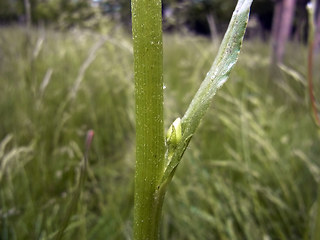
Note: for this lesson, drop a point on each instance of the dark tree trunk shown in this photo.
(281, 27)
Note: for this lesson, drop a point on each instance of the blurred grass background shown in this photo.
(251, 171)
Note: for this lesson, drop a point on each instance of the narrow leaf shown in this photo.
(218, 74)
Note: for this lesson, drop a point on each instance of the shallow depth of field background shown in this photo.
(250, 172)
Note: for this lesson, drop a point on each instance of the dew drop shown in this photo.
(219, 85)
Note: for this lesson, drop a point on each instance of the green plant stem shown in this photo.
(311, 16)
(147, 45)
(311, 6)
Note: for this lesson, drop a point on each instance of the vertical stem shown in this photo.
(317, 15)
(28, 13)
(147, 44)
(311, 47)
(276, 22)
(311, 7)
(310, 83)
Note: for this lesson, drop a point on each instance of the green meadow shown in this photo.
(251, 171)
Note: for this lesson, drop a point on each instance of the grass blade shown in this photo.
(77, 193)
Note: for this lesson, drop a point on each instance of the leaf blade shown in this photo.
(218, 74)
